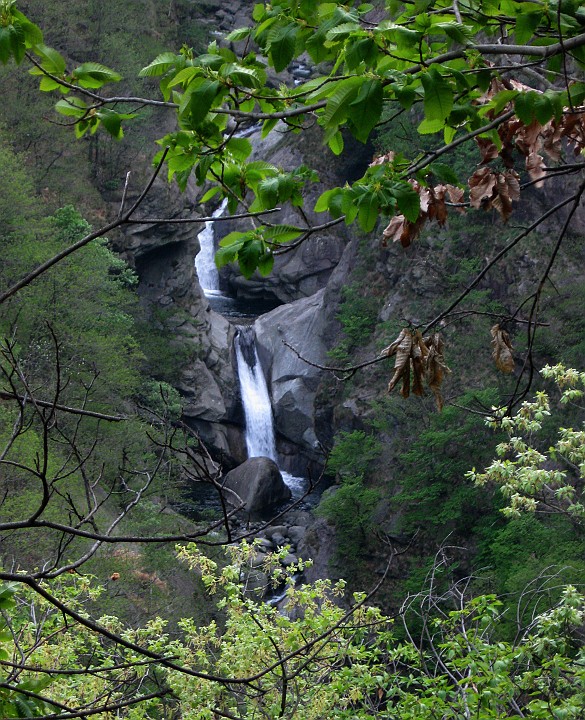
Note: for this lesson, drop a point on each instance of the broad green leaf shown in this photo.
(365, 111)
(455, 31)
(226, 255)
(265, 263)
(526, 24)
(234, 238)
(112, 122)
(51, 61)
(17, 41)
(212, 192)
(184, 76)
(428, 127)
(368, 212)
(438, 98)
(160, 65)
(239, 75)
(335, 143)
(94, 75)
(337, 108)
(5, 44)
(202, 99)
(282, 233)
(47, 84)
(361, 50)
(72, 107)
(268, 126)
(240, 148)
(268, 193)
(249, 255)
(322, 204)
(408, 201)
(33, 34)
(238, 34)
(343, 30)
(281, 45)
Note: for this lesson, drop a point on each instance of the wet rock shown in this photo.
(258, 483)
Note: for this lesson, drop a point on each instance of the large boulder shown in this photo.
(258, 483)
(310, 327)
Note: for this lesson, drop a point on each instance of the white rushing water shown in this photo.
(205, 259)
(260, 439)
(260, 435)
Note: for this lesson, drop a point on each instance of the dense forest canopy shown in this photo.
(87, 435)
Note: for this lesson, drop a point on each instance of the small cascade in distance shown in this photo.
(205, 259)
(260, 435)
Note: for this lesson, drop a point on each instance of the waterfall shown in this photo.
(260, 436)
(205, 260)
(255, 398)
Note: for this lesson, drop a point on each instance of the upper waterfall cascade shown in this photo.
(205, 259)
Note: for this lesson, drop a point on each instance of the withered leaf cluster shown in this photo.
(502, 350)
(418, 360)
(433, 206)
(489, 187)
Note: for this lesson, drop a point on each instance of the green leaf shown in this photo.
(72, 107)
(51, 61)
(238, 34)
(365, 111)
(5, 44)
(212, 192)
(249, 255)
(408, 201)
(94, 75)
(438, 98)
(268, 193)
(240, 148)
(281, 45)
(455, 31)
(160, 65)
(184, 76)
(282, 233)
(368, 212)
(234, 238)
(361, 50)
(337, 107)
(322, 204)
(202, 99)
(444, 173)
(239, 75)
(427, 127)
(335, 143)
(526, 24)
(524, 106)
(265, 263)
(112, 122)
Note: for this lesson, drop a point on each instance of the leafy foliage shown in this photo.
(528, 478)
(432, 59)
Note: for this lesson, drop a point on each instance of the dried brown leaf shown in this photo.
(393, 347)
(405, 389)
(394, 229)
(436, 369)
(502, 350)
(482, 184)
(536, 168)
(488, 149)
(402, 362)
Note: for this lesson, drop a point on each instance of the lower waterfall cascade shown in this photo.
(260, 434)
(260, 439)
